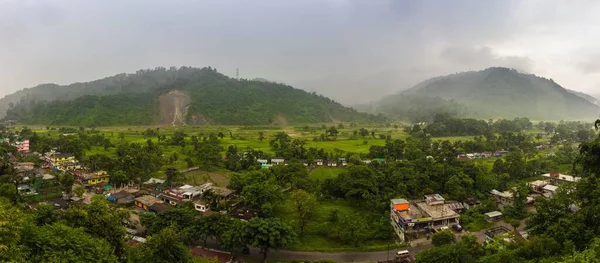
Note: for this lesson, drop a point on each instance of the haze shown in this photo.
(352, 51)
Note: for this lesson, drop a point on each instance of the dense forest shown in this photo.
(215, 99)
(490, 93)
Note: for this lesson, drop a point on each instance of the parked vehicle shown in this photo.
(402, 254)
(457, 228)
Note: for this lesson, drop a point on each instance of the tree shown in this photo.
(263, 196)
(363, 132)
(443, 237)
(261, 136)
(79, 191)
(119, 177)
(235, 236)
(173, 175)
(66, 182)
(306, 205)
(332, 132)
(165, 247)
(60, 243)
(269, 233)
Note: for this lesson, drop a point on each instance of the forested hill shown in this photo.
(490, 93)
(197, 96)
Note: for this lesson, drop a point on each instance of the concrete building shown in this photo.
(418, 217)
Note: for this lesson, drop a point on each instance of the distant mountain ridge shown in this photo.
(490, 93)
(177, 96)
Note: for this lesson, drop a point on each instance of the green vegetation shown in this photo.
(215, 99)
(491, 93)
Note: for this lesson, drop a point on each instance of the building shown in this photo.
(277, 161)
(419, 217)
(558, 178)
(223, 193)
(122, 198)
(506, 197)
(549, 190)
(23, 146)
(319, 162)
(92, 178)
(200, 206)
(538, 186)
(146, 201)
(264, 163)
(493, 216)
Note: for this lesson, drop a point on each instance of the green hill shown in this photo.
(490, 93)
(195, 96)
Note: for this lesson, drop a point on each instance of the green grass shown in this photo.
(323, 173)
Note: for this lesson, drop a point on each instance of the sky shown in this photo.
(353, 51)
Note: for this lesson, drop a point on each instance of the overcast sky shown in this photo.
(352, 51)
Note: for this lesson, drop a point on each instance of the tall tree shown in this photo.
(306, 206)
(269, 233)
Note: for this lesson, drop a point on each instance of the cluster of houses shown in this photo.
(482, 155)
(36, 184)
(544, 188)
(265, 163)
(339, 162)
(156, 197)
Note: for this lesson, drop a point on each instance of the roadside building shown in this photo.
(557, 178)
(412, 219)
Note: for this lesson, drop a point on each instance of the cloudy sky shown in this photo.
(353, 51)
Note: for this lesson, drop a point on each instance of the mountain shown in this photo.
(490, 93)
(179, 96)
(588, 97)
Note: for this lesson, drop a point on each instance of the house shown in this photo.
(549, 190)
(60, 159)
(24, 169)
(170, 199)
(146, 201)
(331, 163)
(538, 185)
(92, 178)
(122, 198)
(418, 217)
(557, 178)
(319, 162)
(264, 163)
(504, 198)
(200, 206)
(342, 161)
(277, 161)
(223, 193)
(493, 216)
(23, 146)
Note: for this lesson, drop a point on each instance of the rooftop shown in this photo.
(538, 183)
(148, 200)
(493, 214)
(399, 201)
(563, 177)
(155, 181)
(551, 188)
(224, 192)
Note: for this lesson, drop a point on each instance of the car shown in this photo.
(444, 228)
(457, 228)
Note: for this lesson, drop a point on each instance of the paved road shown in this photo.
(340, 257)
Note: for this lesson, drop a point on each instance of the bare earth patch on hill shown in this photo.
(173, 108)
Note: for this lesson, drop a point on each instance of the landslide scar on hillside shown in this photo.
(173, 108)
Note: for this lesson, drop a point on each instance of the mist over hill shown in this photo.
(490, 93)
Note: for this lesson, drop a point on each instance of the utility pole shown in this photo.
(237, 73)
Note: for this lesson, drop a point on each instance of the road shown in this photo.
(339, 257)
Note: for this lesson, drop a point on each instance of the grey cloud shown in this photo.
(352, 51)
(483, 57)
